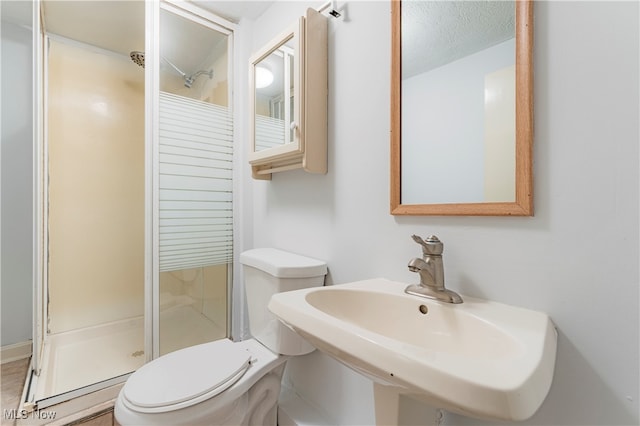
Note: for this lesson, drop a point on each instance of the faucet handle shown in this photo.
(431, 246)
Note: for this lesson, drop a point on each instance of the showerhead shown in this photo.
(188, 81)
(137, 57)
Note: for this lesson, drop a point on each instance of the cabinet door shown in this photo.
(275, 90)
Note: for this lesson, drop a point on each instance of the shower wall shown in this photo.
(212, 90)
(96, 187)
(204, 289)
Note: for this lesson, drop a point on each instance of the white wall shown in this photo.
(577, 259)
(17, 169)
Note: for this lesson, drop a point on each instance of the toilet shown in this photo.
(226, 382)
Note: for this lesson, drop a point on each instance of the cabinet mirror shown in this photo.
(461, 108)
(275, 82)
(275, 110)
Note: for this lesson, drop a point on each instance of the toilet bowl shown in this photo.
(245, 390)
(225, 382)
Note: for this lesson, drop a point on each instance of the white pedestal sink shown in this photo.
(479, 358)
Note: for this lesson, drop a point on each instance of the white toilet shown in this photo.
(225, 382)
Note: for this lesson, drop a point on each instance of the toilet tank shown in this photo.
(268, 271)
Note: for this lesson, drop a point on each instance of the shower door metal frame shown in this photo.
(39, 217)
(101, 389)
(40, 214)
(41, 203)
(39, 195)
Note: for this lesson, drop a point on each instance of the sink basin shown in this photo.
(479, 358)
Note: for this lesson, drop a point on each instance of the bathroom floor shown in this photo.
(13, 375)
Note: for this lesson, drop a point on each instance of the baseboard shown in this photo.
(15, 352)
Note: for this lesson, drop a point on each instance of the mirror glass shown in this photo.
(274, 98)
(456, 91)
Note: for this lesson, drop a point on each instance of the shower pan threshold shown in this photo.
(106, 354)
(77, 358)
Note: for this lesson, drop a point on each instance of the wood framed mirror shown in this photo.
(446, 165)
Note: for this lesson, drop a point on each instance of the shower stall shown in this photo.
(134, 190)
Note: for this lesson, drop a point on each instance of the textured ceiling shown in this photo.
(435, 33)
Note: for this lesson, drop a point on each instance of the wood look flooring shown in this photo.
(13, 376)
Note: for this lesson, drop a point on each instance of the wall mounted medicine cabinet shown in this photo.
(288, 99)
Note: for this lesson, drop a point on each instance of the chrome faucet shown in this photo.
(431, 270)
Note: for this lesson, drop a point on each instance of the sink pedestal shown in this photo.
(387, 406)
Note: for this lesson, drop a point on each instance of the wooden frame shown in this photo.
(523, 205)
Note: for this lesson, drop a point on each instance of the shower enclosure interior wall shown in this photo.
(136, 190)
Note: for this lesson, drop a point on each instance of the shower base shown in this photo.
(80, 358)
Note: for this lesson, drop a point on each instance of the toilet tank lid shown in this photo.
(282, 264)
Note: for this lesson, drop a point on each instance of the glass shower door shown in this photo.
(195, 180)
(93, 206)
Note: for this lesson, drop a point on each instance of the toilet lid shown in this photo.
(186, 374)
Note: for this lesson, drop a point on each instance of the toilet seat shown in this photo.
(186, 377)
